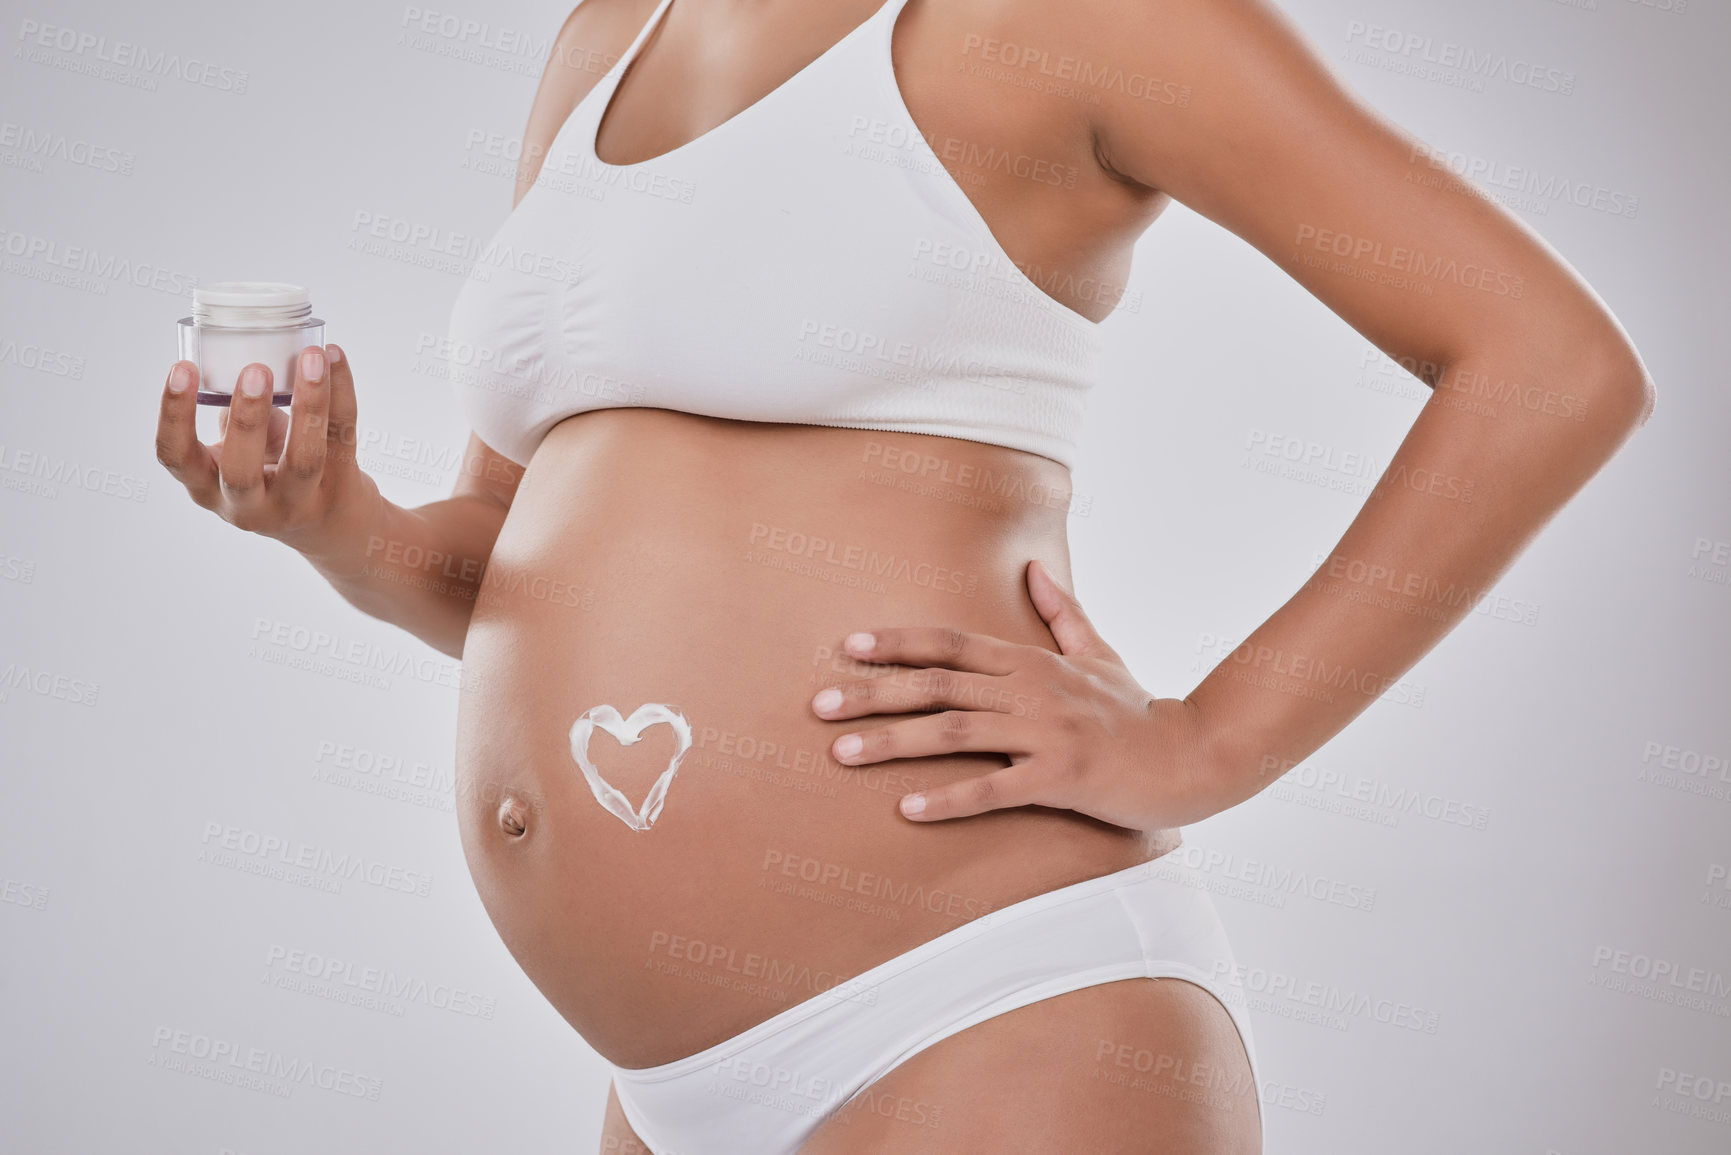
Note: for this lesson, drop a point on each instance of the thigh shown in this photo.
(617, 1137)
(1141, 1066)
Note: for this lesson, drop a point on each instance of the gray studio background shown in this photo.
(1533, 828)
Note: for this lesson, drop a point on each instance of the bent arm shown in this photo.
(1534, 383)
(422, 568)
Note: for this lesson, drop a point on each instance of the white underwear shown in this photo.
(764, 1092)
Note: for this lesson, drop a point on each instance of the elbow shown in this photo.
(1649, 396)
(1620, 392)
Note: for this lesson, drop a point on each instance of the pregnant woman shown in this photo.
(790, 769)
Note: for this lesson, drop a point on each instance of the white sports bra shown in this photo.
(808, 260)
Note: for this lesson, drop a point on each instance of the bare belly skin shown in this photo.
(652, 556)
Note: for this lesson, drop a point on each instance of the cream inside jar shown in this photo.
(235, 323)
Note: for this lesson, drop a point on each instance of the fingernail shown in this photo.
(848, 745)
(826, 701)
(312, 365)
(913, 805)
(336, 354)
(859, 643)
(252, 381)
(179, 379)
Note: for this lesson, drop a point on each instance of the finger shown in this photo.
(1018, 785)
(906, 690)
(1063, 614)
(950, 732)
(935, 646)
(276, 434)
(303, 459)
(340, 421)
(178, 448)
(241, 466)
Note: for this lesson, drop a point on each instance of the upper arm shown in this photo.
(1273, 147)
(487, 473)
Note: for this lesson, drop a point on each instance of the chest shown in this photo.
(994, 114)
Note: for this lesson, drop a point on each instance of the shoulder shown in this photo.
(1182, 85)
(594, 35)
(1111, 47)
(1112, 61)
(589, 43)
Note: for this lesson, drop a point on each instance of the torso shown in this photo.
(651, 556)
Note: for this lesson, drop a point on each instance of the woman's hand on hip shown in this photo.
(288, 475)
(1080, 733)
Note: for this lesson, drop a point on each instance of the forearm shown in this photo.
(1484, 467)
(420, 568)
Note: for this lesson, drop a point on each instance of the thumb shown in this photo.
(1063, 615)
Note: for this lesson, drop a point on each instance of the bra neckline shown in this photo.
(629, 57)
(888, 85)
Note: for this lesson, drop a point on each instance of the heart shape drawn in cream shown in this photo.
(628, 731)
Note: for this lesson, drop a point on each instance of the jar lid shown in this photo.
(258, 294)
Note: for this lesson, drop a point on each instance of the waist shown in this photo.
(661, 510)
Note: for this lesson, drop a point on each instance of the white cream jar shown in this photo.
(235, 323)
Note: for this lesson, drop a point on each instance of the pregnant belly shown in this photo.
(684, 584)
